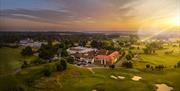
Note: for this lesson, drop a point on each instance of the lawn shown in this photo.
(159, 58)
(76, 79)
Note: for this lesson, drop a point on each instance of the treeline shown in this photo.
(13, 37)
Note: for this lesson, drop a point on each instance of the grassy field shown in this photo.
(82, 79)
(158, 58)
(75, 79)
(11, 59)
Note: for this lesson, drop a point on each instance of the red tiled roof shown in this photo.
(109, 57)
(114, 54)
(103, 57)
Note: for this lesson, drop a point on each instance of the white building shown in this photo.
(80, 49)
(31, 43)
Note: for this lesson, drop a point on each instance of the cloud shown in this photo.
(81, 13)
(51, 16)
(72, 11)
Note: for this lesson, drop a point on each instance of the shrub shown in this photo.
(47, 71)
(148, 66)
(152, 68)
(127, 64)
(160, 67)
(112, 66)
(70, 60)
(39, 61)
(27, 51)
(24, 65)
(128, 57)
(59, 67)
(178, 64)
(63, 63)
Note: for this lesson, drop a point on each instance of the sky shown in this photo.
(90, 15)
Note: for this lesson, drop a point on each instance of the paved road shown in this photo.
(119, 63)
(13, 73)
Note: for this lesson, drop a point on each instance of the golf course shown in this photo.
(81, 78)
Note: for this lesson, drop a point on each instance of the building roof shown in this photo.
(79, 49)
(102, 52)
(107, 57)
(103, 57)
(114, 54)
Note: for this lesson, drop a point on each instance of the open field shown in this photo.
(75, 79)
(11, 59)
(159, 58)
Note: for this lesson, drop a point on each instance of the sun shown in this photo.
(175, 21)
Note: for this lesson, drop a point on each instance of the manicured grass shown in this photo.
(75, 79)
(159, 58)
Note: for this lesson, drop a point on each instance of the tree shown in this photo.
(82, 43)
(24, 65)
(160, 67)
(45, 54)
(62, 45)
(127, 64)
(39, 61)
(70, 60)
(63, 63)
(94, 44)
(152, 68)
(47, 51)
(27, 51)
(128, 57)
(47, 70)
(59, 67)
(178, 64)
(148, 66)
(64, 53)
(112, 66)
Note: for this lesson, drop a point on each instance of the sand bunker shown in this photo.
(136, 78)
(94, 90)
(121, 77)
(163, 87)
(118, 77)
(113, 77)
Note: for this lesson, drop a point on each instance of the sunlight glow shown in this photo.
(175, 21)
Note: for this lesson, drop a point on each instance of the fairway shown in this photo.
(159, 58)
(75, 79)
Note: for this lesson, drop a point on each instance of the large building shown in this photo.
(83, 55)
(79, 49)
(31, 43)
(107, 59)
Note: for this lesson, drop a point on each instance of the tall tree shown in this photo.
(64, 64)
(27, 51)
